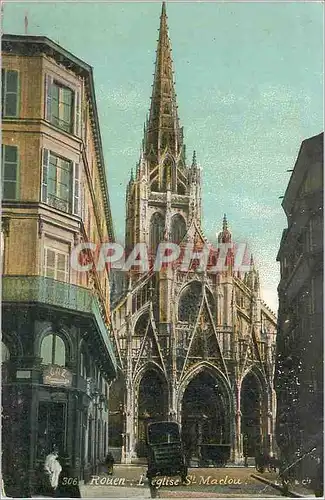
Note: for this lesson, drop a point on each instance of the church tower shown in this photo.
(194, 345)
(164, 194)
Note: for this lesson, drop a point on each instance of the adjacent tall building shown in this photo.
(193, 346)
(300, 347)
(57, 356)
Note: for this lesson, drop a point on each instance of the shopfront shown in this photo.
(48, 405)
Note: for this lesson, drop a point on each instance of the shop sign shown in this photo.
(23, 374)
(57, 375)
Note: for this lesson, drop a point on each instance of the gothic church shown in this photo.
(195, 347)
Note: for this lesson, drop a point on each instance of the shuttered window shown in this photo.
(56, 264)
(60, 183)
(9, 155)
(10, 93)
(62, 106)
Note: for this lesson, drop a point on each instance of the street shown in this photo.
(130, 482)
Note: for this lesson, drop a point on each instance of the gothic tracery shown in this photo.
(192, 335)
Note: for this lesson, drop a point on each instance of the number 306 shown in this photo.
(70, 480)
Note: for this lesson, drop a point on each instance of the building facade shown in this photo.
(57, 356)
(299, 370)
(194, 346)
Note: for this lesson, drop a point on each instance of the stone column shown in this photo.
(129, 440)
(128, 411)
(236, 443)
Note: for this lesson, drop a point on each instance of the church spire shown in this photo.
(225, 235)
(224, 222)
(163, 130)
(194, 163)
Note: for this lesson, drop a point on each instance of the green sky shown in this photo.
(249, 80)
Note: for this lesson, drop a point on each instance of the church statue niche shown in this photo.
(178, 229)
(157, 226)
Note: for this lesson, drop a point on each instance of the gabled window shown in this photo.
(10, 93)
(60, 183)
(62, 106)
(56, 264)
(9, 172)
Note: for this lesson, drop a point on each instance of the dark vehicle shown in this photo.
(165, 451)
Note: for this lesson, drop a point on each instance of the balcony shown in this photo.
(42, 290)
(46, 291)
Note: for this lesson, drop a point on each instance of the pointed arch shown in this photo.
(145, 342)
(141, 324)
(189, 301)
(157, 227)
(177, 228)
(251, 402)
(206, 406)
(152, 401)
(139, 333)
(167, 166)
(211, 301)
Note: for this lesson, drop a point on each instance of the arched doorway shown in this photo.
(250, 405)
(152, 405)
(205, 421)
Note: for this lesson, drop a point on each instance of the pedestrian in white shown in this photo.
(53, 468)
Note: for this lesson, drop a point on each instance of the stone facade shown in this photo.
(299, 370)
(195, 347)
(57, 357)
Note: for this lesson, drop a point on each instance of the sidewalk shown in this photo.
(296, 490)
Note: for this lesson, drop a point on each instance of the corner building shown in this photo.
(57, 355)
(193, 347)
(299, 377)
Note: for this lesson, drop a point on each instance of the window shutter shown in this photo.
(48, 97)
(77, 114)
(45, 173)
(10, 87)
(67, 262)
(76, 189)
(49, 263)
(82, 203)
(9, 172)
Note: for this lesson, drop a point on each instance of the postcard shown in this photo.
(162, 249)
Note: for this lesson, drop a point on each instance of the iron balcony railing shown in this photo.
(40, 289)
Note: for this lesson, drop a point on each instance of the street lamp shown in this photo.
(95, 399)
